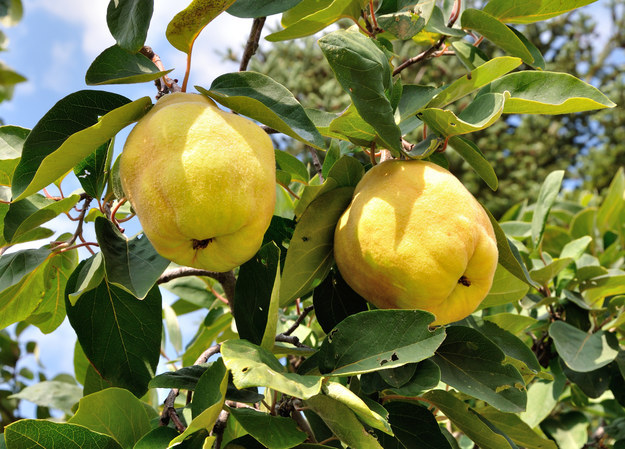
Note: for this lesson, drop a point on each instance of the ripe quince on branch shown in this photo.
(201, 181)
(414, 237)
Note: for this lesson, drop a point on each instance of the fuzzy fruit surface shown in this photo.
(414, 237)
(201, 180)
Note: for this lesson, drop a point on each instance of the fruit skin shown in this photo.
(201, 181)
(414, 237)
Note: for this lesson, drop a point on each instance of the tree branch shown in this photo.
(420, 57)
(299, 320)
(316, 161)
(252, 42)
(227, 279)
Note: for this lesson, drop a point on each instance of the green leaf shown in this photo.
(546, 197)
(293, 166)
(100, 412)
(27, 214)
(467, 420)
(116, 66)
(509, 256)
(581, 351)
(479, 77)
(506, 289)
(479, 114)
(530, 11)
(12, 13)
(134, 265)
(466, 355)
(120, 335)
(543, 396)
(438, 25)
(539, 61)
(248, 9)
(334, 301)
(209, 391)
(185, 378)
(89, 277)
(52, 393)
(215, 323)
(172, 326)
(22, 285)
(185, 27)
(414, 426)
(261, 98)
(307, 18)
(256, 297)
(345, 396)
(474, 157)
(276, 432)
(157, 438)
(128, 22)
(413, 98)
(42, 434)
(342, 422)
(253, 366)
(511, 345)
(403, 24)
(608, 215)
(539, 92)
(352, 127)
(548, 272)
(9, 77)
(69, 132)
(309, 258)
(363, 70)
(407, 340)
(569, 430)
(516, 429)
(596, 289)
(496, 32)
(50, 312)
(470, 55)
(93, 171)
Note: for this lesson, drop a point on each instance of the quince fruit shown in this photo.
(201, 181)
(414, 237)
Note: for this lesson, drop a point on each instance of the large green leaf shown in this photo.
(545, 274)
(414, 426)
(546, 197)
(543, 396)
(128, 22)
(582, 351)
(27, 214)
(598, 288)
(516, 429)
(256, 297)
(69, 132)
(496, 32)
(407, 339)
(43, 434)
(100, 413)
(467, 420)
(609, 213)
(276, 432)
(261, 98)
(344, 395)
(120, 335)
(479, 77)
(52, 393)
(506, 289)
(363, 70)
(210, 396)
(309, 17)
(22, 284)
(342, 422)
(253, 366)
(540, 92)
(309, 258)
(116, 66)
(474, 157)
(93, 171)
(529, 11)
(464, 358)
(185, 378)
(50, 312)
(185, 27)
(251, 8)
(481, 113)
(132, 264)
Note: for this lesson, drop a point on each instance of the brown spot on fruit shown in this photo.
(464, 281)
(200, 244)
